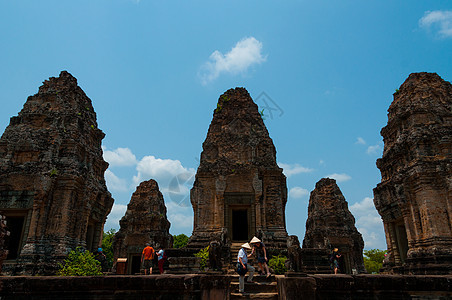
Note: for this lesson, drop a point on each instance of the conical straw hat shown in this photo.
(247, 246)
(255, 240)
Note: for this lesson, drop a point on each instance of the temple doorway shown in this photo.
(240, 224)
(402, 241)
(135, 266)
(15, 225)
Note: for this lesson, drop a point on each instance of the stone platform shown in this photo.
(201, 286)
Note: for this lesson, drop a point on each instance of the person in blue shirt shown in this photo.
(161, 259)
(243, 267)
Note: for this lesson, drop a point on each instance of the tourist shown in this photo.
(243, 267)
(261, 254)
(146, 258)
(161, 259)
(334, 260)
(100, 257)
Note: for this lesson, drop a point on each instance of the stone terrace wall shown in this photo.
(213, 287)
(174, 287)
(385, 287)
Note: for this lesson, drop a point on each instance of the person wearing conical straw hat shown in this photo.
(243, 267)
(261, 253)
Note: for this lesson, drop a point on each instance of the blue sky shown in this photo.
(155, 69)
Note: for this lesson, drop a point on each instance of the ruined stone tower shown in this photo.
(144, 222)
(331, 225)
(239, 190)
(414, 197)
(52, 187)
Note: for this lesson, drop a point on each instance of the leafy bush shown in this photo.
(80, 263)
(204, 254)
(180, 240)
(278, 264)
(107, 246)
(373, 260)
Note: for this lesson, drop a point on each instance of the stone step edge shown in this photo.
(273, 283)
(254, 295)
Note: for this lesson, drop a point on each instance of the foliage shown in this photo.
(225, 98)
(261, 112)
(107, 246)
(218, 108)
(277, 263)
(53, 172)
(373, 260)
(180, 240)
(204, 254)
(80, 263)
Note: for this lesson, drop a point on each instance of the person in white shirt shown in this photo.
(242, 263)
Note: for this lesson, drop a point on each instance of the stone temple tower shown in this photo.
(414, 197)
(52, 187)
(239, 190)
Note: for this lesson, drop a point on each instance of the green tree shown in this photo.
(204, 254)
(180, 240)
(373, 260)
(80, 262)
(107, 246)
(278, 264)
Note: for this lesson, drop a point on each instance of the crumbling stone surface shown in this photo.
(174, 287)
(331, 225)
(145, 221)
(364, 286)
(239, 189)
(414, 197)
(4, 233)
(52, 176)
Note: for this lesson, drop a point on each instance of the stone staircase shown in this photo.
(262, 288)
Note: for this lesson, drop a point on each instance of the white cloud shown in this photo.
(322, 162)
(120, 157)
(440, 20)
(372, 150)
(369, 223)
(360, 141)
(293, 169)
(159, 169)
(117, 212)
(339, 177)
(115, 183)
(298, 192)
(244, 54)
(174, 180)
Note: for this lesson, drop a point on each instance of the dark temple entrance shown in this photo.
(136, 265)
(240, 224)
(15, 227)
(240, 216)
